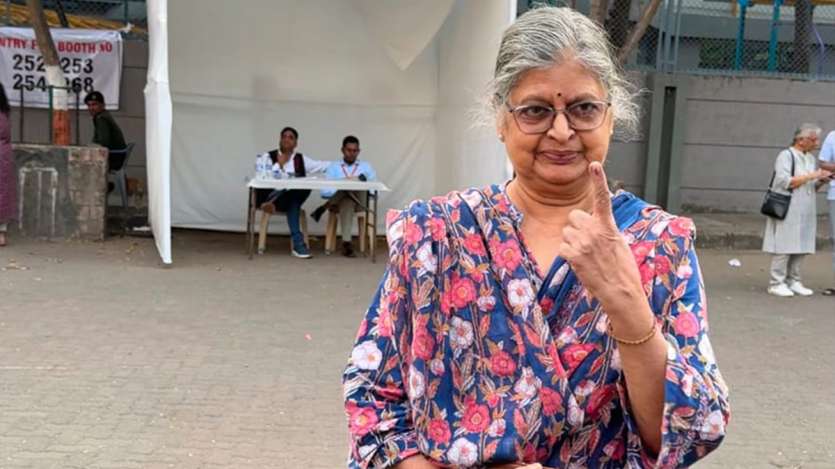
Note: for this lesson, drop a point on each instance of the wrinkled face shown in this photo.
(808, 143)
(559, 155)
(94, 107)
(288, 142)
(350, 152)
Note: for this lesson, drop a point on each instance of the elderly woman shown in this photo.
(543, 322)
(791, 239)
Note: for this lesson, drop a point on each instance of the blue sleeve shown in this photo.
(380, 425)
(696, 409)
(332, 172)
(827, 153)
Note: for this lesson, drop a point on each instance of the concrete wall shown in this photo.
(627, 157)
(61, 191)
(734, 129)
(130, 116)
(728, 133)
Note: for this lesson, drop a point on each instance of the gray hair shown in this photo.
(806, 130)
(546, 36)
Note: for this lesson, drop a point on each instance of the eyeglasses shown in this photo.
(537, 119)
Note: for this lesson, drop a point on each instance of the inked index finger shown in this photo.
(602, 198)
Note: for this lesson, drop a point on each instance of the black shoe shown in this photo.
(317, 214)
(348, 249)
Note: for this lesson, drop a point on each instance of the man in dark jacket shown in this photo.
(107, 132)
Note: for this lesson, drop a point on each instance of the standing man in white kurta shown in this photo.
(791, 239)
(827, 162)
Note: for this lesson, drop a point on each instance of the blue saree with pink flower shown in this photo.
(472, 357)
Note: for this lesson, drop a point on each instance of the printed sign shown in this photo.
(90, 59)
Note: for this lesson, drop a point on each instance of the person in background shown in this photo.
(791, 239)
(106, 132)
(8, 179)
(827, 161)
(346, 202)
(285, 162)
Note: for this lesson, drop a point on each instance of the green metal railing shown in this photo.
(793, 39)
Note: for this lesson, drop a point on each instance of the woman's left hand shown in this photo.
(599, 255)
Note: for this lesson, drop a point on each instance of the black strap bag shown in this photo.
(775, 204)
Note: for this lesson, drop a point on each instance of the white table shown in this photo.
(371, 189)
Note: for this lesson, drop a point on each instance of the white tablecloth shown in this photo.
(318, 184)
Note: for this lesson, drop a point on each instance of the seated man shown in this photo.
(106, 131)
(285, 162)
(346, 202)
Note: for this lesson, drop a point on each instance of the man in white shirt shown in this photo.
(286, 162)
(346, 202)
(827, 162)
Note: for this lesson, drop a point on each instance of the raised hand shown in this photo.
(597, 252)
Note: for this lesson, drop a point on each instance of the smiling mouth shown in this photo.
(559, 157)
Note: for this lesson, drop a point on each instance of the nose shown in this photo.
(560, 129)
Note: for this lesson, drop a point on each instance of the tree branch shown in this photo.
(638, 31)
(41, 27)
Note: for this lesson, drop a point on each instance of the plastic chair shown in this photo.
(265, 224)
(330, 231)
(120, 177)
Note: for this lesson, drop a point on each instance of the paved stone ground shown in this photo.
(108, 360)
(743, 231)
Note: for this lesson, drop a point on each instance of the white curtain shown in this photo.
(158, 128)
(468, 42)
(403, 27)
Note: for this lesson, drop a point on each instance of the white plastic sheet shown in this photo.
(158, 128)
(403, 27)
(469, 155)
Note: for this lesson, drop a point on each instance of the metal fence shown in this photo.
(92, 14)
(789, 38)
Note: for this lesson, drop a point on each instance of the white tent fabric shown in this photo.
(158, 128)
(328, 69)
(393, 23)
(469, 40)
